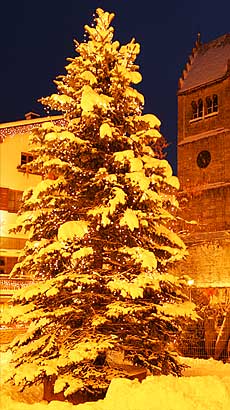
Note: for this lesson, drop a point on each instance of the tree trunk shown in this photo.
(223, 337)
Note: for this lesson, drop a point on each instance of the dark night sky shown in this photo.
(37, 37)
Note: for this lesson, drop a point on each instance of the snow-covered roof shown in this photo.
(10, 129)
(208, 62)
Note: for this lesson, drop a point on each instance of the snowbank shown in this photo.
(203, 367)
(205, 385)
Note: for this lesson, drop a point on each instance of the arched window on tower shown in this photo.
(209, 105)
(194, 110)
(200, 108)
(215, 102)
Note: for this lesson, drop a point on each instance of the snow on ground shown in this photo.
(203, 367)
(205, 385)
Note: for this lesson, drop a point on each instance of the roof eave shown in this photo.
(198, 87)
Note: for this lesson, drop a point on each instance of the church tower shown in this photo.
(204, 160)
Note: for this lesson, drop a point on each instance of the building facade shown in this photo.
(204, 161)
(14, 152)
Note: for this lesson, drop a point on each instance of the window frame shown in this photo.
(201, 111)
(200, 108)
(28, 157)
(215, 103)
(194, 110)
(211, 104)
(2, 265)
(14, 200)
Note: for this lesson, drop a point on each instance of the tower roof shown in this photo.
(208, 62)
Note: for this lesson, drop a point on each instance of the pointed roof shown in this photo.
(209, 62)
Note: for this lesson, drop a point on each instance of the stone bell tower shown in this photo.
(204, 160)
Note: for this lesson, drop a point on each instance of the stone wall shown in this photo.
(208, 262)
(209, 207)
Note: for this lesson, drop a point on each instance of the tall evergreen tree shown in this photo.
(100, 224)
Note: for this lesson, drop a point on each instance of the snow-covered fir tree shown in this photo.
(100, 223)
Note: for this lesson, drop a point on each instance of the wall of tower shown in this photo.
(209, 208)
(208, 262)
(187, 126)
(217, 142)
(205, 190)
